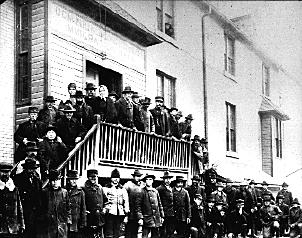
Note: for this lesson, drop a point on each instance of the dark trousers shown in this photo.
(131, 229)
(73, 234)
(154, 232)
(112, 226)
(168, 227)
(283, 225)
(90, 232)
(198, 232)
(181, 228)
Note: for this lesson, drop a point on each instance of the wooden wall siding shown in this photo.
(266, 144)
(37, 59)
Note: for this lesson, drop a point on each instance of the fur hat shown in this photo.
(115, 174)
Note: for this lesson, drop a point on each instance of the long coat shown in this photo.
(149, 208)
(55, 212)
(84, 115)
(147, 120)
(288, 197)
(198, 217)
(166, 197)
(182, 206)
(124, 112)
(235, 221)
(174, 127)
(161, 121)
(107, 110)
(69, 130)
(134, 191)
(11, 212)
(78, 209)
(95, 200)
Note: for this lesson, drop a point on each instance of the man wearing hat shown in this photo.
(198, 222)
(55, 208)
(124, 107)
(288, 197)
(253, 209)
(149, 209)
(269, 216)
(146, 116)
(107, 108)
(137, 117)
(285, 214)
(236, 221)
(174, 126)
(29, 131)
(133, 187)
(295, 219)
(11, 212)
(186, 128)
(209, 216)
(49, 114)
(91, 98)
(199, 154)
(83, 113)
(182, 207)
(69, 128)
(265, 192)
(53, 151)
(166, 197)
(195, 188)
(161, 119)
(113, 96)
(219, 219)
(72, 88)
(30, 190)
(218, 194)
(95, 201)
(77, 204)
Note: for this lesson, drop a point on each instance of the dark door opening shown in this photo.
(102, 76)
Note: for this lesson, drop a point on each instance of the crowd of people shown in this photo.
(170, 210)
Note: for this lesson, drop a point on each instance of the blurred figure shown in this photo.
(219, 195)
(219, 219)
(83, 113)
(186, 128)
(49, 114)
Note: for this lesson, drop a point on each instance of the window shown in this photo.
(165, 16)
(278, 138)
(23, 84)
(166, 88)
(230, 127)
(265, 80)
(229, 55)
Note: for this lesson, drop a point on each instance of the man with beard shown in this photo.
(91, 99)
(166, 197)
(30, 189)
(28, 132)
(162, 126)
(95, 200)
(11, 212)
(134, 190)
(182, 207)
(83, 113)
(49, 114)
(195, 188)
(288, 197)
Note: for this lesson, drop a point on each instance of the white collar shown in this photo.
(9, 184)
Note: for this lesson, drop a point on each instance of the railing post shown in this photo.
(97, 141)
(190, 172)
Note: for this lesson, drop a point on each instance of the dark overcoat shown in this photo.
(193, 190)
(93, 103)
(161, 122)
(149, 207)
(166, 197)
(198, 217)
(84, 115)
(78, 209)
(235, 222)
(11, 212)
(174, 127)
(288, 197)
(182, 206)
(95, 200)
(44, 116)
(107, 110)
(245, 194)
(124, 112)
(295, 215)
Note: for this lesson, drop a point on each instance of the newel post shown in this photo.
(97, 141)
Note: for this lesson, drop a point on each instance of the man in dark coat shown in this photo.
(95, 200)
(198, 222)
(174, 126)
(11, 212)
(30, 189)
(288, 197)
(29, 131)
(161, 118)
(195, 188)
(149, 209)
(146, 116)
(134, 190)
(124, 108)
(182, 207)
(199, 154)
(186, 128)
(77, 205)
(295, 219)
(137, 117)
(166, 197)
(253, 208)
(265, 192)
(285, 214)
(72, 88)
(49, 114)
(209, 216)
(70, 129)
(90, 98)
(219, 219)
(107, 109)
(83, 113)
(210, 178)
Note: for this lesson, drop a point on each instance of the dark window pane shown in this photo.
(23, 65)
(24, 41)
(24, 17)
(159, 19)
(227, 139)
(233, 140)
(25, 85)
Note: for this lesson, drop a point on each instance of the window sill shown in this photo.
(230, 76)
(232, 154)
(167, 38)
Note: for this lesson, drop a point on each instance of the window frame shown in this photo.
(231, 143)
(231, 70)
(162, 92)
(23, 87)
(162, 14)
(266, 80)
(278, 138)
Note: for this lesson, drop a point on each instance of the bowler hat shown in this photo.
(115, 174)
(284, 185)
(54, 175)
(90, 86)
(146, 101)
(91, 172)
(137, 173)
(196, 177)
(196, 137)
(179, 178)
(50, 99)
(148, 176)
(79, 94)
(166, 175)
(179, 113)
(72, 85)
(4, 166)
(51, 128)
(33, 110)
(127, 89)
(189, 117)
(219, 184)
(68, 108)
(30, 164)
(267, 198)
(296, 201)
(159, 98)
(135, 95)
(113, 93)
(72, 174)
